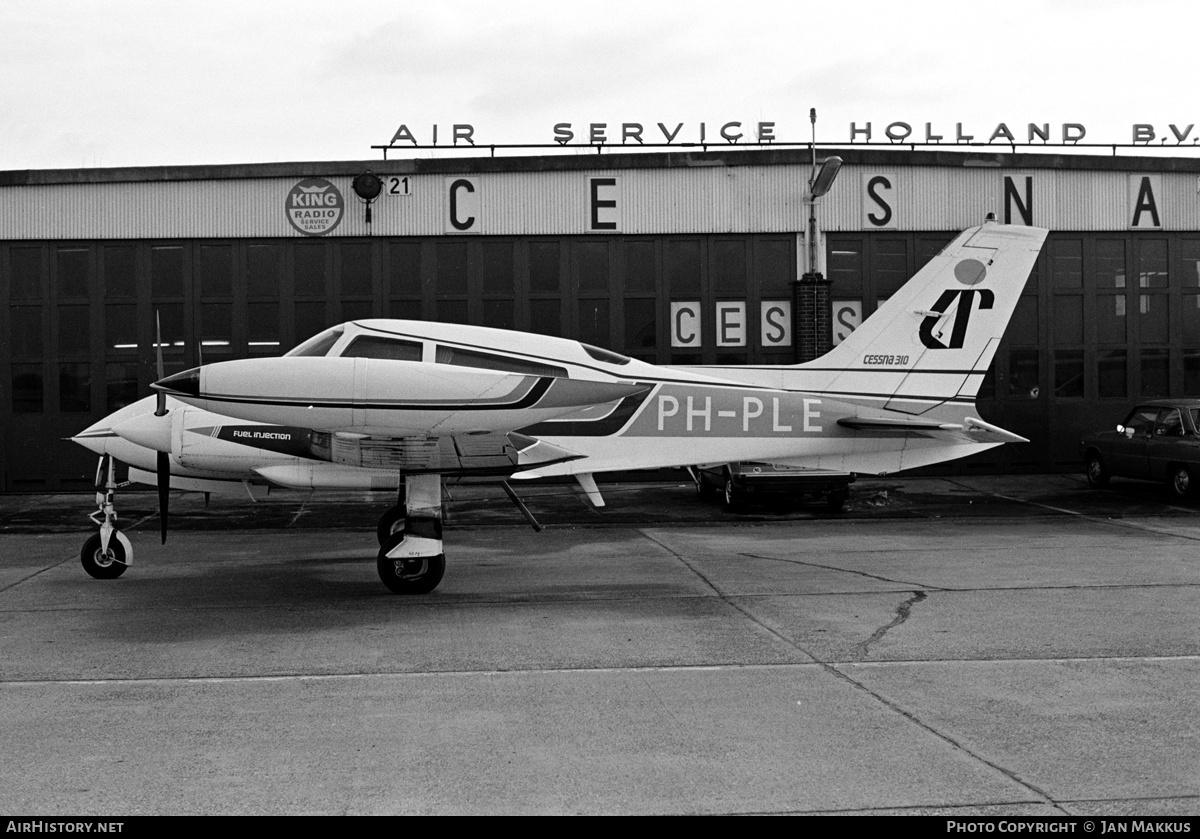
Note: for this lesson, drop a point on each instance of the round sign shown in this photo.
(970, 271)
(315, 206)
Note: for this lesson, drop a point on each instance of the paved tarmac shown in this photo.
(1015, 645)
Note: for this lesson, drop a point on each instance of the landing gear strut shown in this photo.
(411, 560)
(106, 555)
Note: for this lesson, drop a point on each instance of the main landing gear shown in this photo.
(106, 555)
(411, 559)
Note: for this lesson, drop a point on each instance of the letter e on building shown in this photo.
(604, 206)
(731, 323)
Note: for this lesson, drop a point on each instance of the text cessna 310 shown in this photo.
(387, 404)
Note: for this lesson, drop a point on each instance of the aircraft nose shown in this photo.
(95, 437)
(186, 383)
(153, 432)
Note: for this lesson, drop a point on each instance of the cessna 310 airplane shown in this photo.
(393, 404)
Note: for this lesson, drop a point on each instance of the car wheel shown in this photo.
(1181, 482)
(731, 499)
(1097, 472)
(836, 500)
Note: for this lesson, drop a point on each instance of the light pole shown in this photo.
(812, 331)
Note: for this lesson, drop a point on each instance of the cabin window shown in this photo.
(607, 356)
(317, 345)
(373, 346)
(486, 361)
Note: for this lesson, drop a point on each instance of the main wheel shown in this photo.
(103, 565)
(390, 523)
(836, 499)
(1181, 482)
(731, 499)
(418, 575)
(1097, 472)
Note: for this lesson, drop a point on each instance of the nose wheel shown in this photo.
(106, 555)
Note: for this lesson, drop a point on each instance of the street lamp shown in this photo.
(813, 333)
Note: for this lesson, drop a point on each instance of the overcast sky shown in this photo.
(98, 84)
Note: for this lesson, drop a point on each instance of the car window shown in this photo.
(1142, 420)
(1170, 423)
(373, 346)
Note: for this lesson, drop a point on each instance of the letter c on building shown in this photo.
(460, 224)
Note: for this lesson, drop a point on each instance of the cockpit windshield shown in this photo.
(317, 345)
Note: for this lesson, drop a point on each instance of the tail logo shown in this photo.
(960, 318)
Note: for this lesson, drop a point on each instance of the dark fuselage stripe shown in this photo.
(528, 400)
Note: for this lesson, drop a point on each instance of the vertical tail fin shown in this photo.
(934, 339)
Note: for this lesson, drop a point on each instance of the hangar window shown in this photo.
(460, 357)
(27, 389)
(74, 332)
(262, 270)
(1067, 263)
(356, 267)
(640, 269)
(119, 277)
(74, 387)
(216, 270)
(1023, 373)
(166, 272)
(544, 266)
(1068, 373)
(889, 268)
(545, 316)
(120, 385)
(594, 320)
(262, 327)
(25, 337)
(310, 270)
(1111, 374)
(25, 273)
(591, 265)
(1156, 372)
(72, 274)
(374, 346)
(683, 266)
(404, 267)
(120, 329)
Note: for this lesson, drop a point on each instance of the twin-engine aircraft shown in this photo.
(393, 404)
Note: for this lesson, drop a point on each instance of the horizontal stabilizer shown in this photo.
(897, 424)
(971, 427)
(978, 427)
(531, 451)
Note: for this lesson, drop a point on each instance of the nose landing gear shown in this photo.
(106, 555)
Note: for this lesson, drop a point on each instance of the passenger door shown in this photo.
(1131, 449)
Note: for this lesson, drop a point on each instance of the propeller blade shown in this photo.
(161, 404)
(164, 492)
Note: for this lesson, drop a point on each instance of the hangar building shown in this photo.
(672, 257)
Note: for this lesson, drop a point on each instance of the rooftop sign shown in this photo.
(732, 132)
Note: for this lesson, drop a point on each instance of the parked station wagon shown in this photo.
(1158, 441)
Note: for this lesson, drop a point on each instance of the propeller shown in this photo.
(163, 460)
